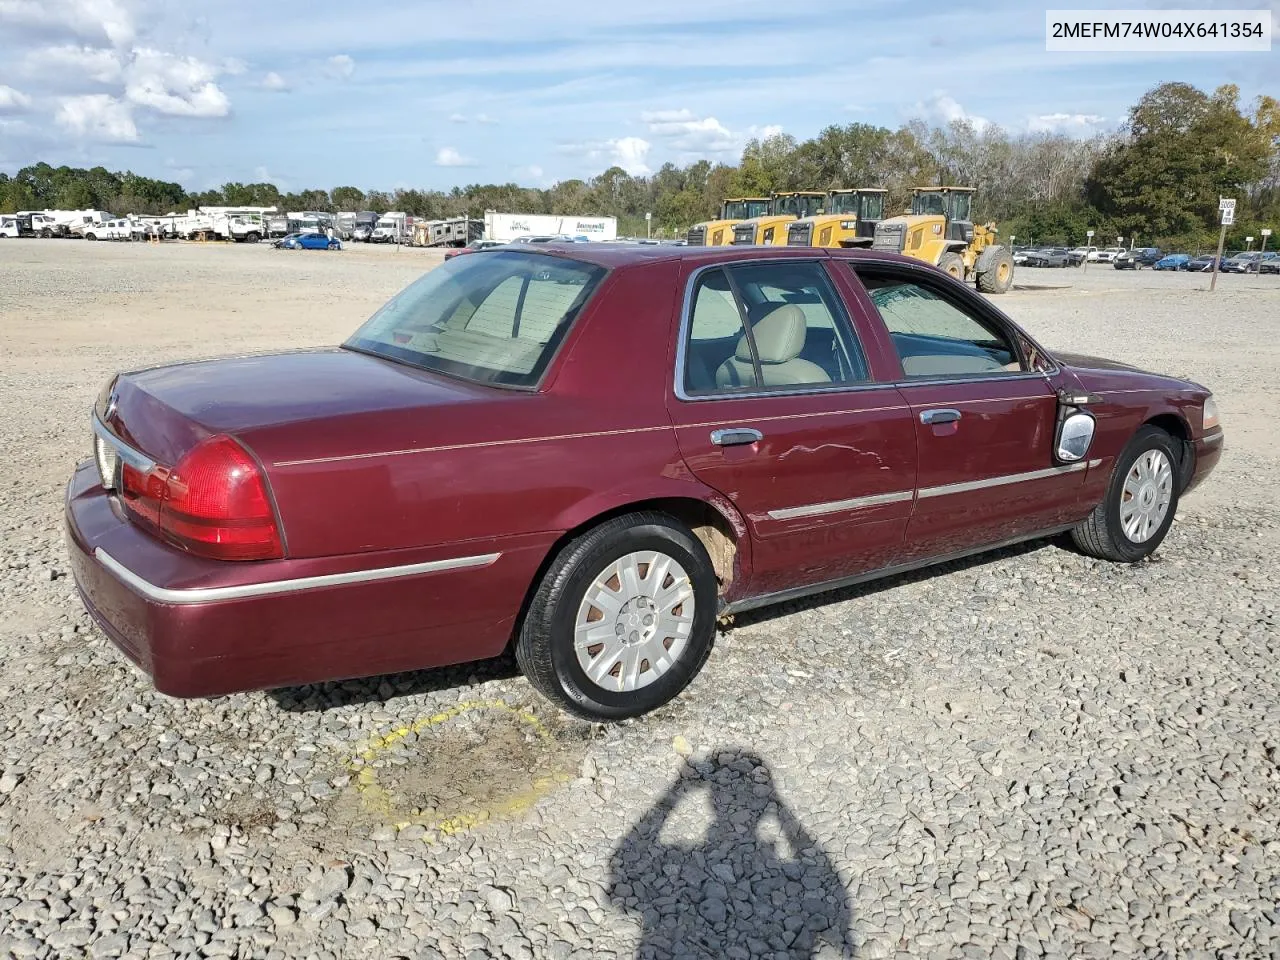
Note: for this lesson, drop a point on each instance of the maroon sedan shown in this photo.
(592, 452)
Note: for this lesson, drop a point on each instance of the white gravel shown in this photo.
(1033, 754)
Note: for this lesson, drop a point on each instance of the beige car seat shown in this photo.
(779, 337)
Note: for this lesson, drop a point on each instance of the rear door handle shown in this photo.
(939, 416)
(734, 436)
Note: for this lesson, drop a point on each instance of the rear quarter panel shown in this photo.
(595, 436)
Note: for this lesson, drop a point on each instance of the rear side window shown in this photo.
(491, 317)
(773, 325)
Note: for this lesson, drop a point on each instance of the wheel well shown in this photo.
(707, 523)
(1177, 428)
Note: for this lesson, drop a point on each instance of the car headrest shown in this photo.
(779, 336)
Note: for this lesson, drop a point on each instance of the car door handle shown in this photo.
(939, 416)
(733, 436)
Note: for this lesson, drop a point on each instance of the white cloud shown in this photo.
(88, 19)
(535, 171)
(689, 133)
(479, 118)
(630, 154)
(693, 136)
(173, 85)
(457, 118)
(340, 66)
(72, 62)
(449, 157)
(98, 116)
(13, 101)
(234, 66)
(1076, 124)
(484, 118)
(273, 81)
(945, 109)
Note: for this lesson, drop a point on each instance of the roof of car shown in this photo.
(612, 255)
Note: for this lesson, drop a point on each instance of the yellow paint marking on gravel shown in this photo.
(379, 801)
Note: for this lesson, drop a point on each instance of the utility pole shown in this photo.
(1227, 213)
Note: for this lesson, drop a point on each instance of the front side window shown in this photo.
(768, 325)
(492, 317)
(935, 337)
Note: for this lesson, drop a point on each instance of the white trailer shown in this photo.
(506, 227)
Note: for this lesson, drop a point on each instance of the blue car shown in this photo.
(1174, 261)
(308, 241)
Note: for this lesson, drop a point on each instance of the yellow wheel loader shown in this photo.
(719, 232)
(771, 228)
(848, 219)
(940, 230)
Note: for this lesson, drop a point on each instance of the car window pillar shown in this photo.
(746, 326)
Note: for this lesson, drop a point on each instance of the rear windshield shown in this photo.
(490, 317)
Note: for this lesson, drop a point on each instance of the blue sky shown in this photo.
(418, 93)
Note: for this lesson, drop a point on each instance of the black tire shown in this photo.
(91, 236)
(952, 264)
(995, 269)
(545, 647)
(252, 237)
(1102, 535)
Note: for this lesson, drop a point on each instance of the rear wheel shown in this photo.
(952, 265)
(995, 270)
(252, 237)
(623, 619)
(1141, 499)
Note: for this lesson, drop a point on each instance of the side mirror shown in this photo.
(1075, 435)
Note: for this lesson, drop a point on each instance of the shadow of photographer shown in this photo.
(754, 883)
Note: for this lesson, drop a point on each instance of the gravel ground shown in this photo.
(1030, 754)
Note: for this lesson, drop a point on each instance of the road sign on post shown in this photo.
(1266, 232)
(1087, 244)
(1227, 209)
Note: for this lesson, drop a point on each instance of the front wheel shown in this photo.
(1141, 499)
(952, 265)
(623, 619)
(995, 270)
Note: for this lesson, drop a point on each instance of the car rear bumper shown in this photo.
(203, 627)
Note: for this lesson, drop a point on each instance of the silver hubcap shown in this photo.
(634, 621)
(1144, 501)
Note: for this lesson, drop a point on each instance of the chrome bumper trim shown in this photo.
(271, 587)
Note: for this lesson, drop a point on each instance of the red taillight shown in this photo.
(213, 503)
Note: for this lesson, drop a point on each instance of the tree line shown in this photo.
(1156, 179)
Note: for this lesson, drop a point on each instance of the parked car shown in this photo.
(1108, 255)
(1270, 264)
(1138, 258)
(472, 247)
(1173, 261)
(316, 528)
(1200, 264)
(109, 230)
(1046, 257)
(308, 241)
(1246, 262)
(1079, 255)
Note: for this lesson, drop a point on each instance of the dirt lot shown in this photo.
(1033, 754)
